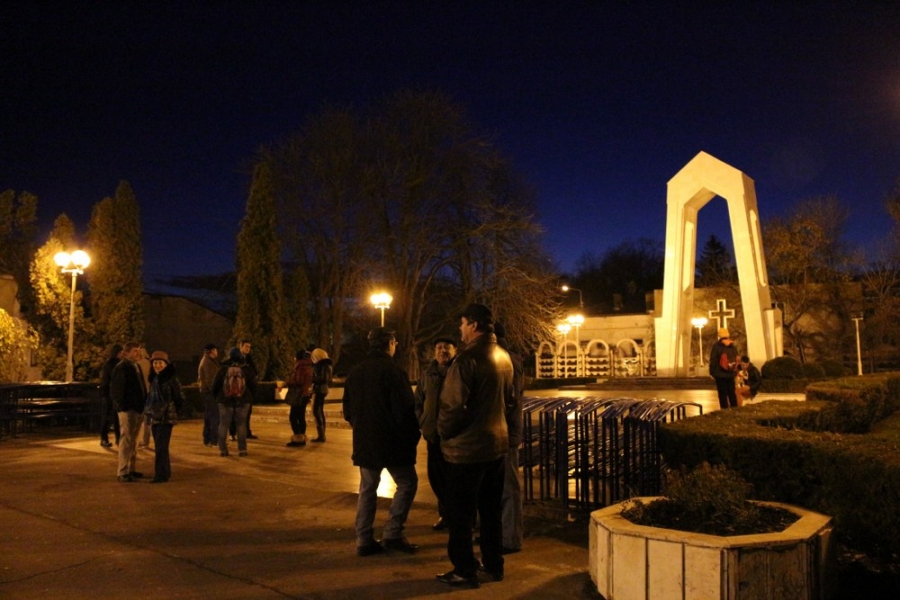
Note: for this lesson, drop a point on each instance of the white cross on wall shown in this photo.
(722, 313)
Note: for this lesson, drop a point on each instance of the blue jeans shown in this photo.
(239, 412)
(162, 434)
(407, 483)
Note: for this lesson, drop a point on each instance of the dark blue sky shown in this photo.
(599, 104)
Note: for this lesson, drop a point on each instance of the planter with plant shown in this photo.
(706, 539)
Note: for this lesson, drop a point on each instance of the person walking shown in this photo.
(233, 388)
(322, 374)
(107, 410)
(723, 365)
(246, 347)
(128, 392)
(206, 376)
(164, 401)
(380, 407)
(299, 392)
(427, 403)
(475, 440)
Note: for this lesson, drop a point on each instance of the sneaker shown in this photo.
(124, 479)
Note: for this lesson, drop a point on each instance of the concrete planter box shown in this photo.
(636, 562)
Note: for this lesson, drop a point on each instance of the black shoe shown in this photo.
(370, 549)
(495, 575)
(250, 436)
(319, 440)
(441, 525)
(506, 550)
(158, 480)
(105, 443)
(124, 478)
(455, 579)
(136, 474)
(223, 453)
(295, 444)
(402, 544)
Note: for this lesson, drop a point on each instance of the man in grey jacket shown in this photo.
(475, 440)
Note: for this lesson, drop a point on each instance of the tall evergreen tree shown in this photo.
(715, 266)
(260, 287)
(117, 292)
(52, 293)
(18, 230)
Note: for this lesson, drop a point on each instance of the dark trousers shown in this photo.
(210, 420)
(727, 394)
(319, 414)
(471, 487)
(108, 417)
(437, 475)
(297, 416)
(162, 434)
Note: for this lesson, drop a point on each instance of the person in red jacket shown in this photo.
(300, 386)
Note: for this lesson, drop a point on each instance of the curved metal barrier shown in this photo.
(591, 452)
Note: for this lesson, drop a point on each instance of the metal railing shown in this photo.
(591, 452)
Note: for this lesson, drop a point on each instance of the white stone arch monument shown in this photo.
(698, 182)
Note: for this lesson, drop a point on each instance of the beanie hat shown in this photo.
(318, 354)
(723, 333)
(235, 354)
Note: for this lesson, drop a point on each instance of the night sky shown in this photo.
(598, 105)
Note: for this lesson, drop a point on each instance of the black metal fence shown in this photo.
(592, 452)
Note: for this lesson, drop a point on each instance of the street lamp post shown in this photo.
(699, 323)
(74, 264)
(576, 321)
(381, 300)
(565, 328)
(856, 320)
(566, 288)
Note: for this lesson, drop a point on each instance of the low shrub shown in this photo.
(833, 368)
(813, 371)
(782, 367)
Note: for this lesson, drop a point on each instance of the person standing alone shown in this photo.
(723, 365)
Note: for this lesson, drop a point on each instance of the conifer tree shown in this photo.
(260, 314)
(114, 239)
(18, 230)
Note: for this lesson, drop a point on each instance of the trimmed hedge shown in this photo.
(854, 477)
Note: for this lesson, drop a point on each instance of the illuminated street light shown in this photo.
(381, 300)
(564, 329)
(576, 321)
(75, 264)
(857, 319)
(699, 323)
(566, 288)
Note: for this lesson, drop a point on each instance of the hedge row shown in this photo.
(779, 448)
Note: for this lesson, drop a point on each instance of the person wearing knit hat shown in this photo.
(322, 374)
(164, 402)
(723, 366)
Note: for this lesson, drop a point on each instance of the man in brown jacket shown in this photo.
(474, 440)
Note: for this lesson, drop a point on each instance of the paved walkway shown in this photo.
(275, 524)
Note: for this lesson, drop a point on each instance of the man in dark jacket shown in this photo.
(128, 391)
(723, 365)
(428, 393)
(475, 440)
(380, 407)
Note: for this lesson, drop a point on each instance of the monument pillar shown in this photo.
(698, 182)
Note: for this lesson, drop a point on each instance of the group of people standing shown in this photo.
(467, 406)
(156, 399)
(310, 379)
(736, 380)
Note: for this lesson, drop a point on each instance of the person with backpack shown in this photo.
(723, 366)
(322, 373)
(164, 401)
(233, 388)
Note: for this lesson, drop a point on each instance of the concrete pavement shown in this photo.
(275, 524)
